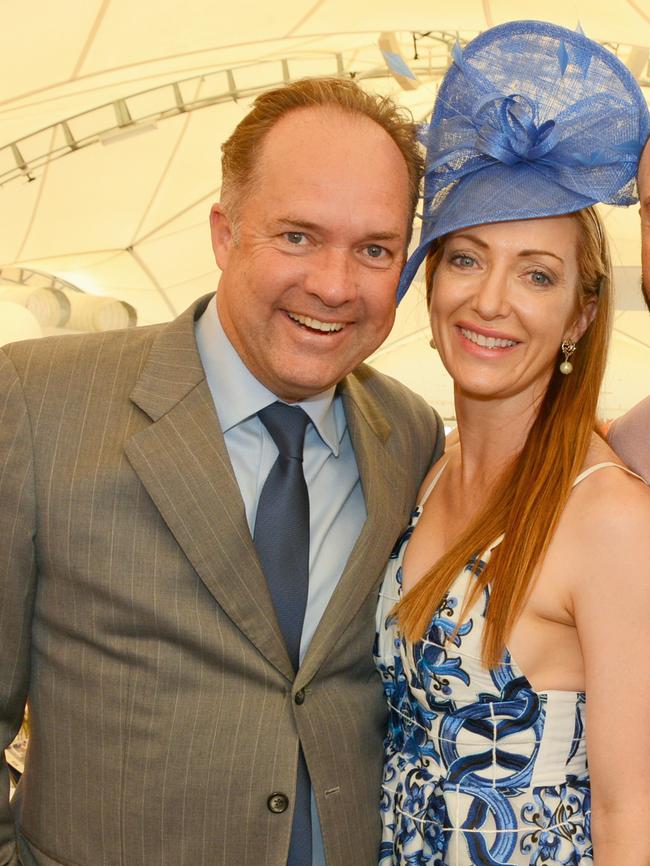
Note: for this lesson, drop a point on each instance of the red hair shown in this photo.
(527, 501)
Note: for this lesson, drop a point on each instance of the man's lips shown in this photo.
(316, 324)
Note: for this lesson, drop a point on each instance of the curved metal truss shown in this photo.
(35, 279)
(133, 114)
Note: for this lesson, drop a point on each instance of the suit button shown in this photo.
(277, 803)
(299, 697)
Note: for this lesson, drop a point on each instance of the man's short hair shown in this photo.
(240, 151)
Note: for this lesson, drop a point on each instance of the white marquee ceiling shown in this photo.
(113, 111)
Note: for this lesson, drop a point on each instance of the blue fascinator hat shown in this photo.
(531, 120)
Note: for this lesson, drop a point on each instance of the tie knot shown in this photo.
(287, 425)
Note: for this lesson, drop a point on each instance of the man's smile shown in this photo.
(315, 324)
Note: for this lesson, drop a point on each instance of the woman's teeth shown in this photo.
(487, 342)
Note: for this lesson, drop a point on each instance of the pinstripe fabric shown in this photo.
(133, 607)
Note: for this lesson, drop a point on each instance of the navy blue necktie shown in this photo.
(282, 541)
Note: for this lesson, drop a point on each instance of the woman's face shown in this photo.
(503, 298)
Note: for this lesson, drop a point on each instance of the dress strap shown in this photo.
(587, 472)
(433, 483)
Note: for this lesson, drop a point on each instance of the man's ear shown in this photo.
(584, 318)
(222, 235)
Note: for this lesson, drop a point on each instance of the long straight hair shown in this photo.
(527, 500)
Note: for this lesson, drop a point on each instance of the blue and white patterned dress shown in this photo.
(479, 767)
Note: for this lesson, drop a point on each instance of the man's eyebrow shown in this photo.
(298, 224)
(385, 236)
(295, 222)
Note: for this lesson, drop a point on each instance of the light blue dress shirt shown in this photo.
(337, 509)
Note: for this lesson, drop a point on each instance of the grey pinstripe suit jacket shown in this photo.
(135, 614)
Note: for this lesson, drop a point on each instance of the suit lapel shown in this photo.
(385, 490)
(182, 461)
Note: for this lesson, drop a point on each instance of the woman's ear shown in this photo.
(584, 318)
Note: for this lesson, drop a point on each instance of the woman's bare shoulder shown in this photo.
(609, 510)
(604, 472)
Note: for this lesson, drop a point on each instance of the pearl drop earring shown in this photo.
(568, 347)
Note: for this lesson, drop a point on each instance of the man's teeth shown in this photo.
(487, 342)
(327, 327)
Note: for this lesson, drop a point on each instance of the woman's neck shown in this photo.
(490, 435)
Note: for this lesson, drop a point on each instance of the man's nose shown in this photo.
(333, 278)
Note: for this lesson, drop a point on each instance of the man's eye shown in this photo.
(295, 237)
(375, 251)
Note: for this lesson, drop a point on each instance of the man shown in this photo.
(630, 435)
(184, 708)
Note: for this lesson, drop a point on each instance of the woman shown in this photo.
(519, 595)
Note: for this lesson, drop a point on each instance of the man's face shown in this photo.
(310, 273)
(644, 205)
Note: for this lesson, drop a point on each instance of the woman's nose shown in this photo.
(491, 296)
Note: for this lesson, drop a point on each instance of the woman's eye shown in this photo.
(540, 278)
(295, 237)
(464, 261)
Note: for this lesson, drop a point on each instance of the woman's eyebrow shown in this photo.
(470, 237)
(541, 253)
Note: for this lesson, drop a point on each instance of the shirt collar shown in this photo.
(238, 395)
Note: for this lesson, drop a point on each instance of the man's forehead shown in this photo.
(326, 133)
(323, 159)
(329, 117)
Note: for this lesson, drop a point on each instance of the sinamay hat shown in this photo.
(531, 120)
